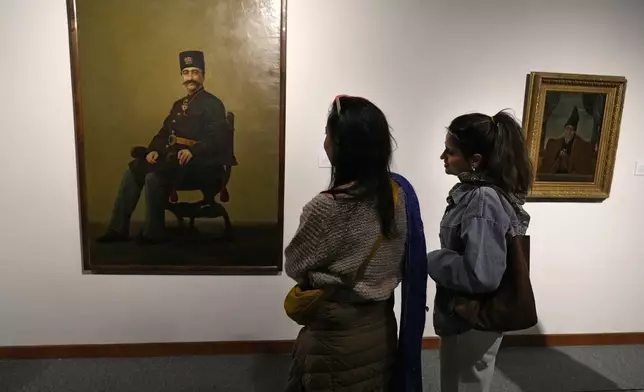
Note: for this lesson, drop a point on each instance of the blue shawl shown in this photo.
(408, 367)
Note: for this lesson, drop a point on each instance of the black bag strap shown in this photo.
(504, 194)
(524, 240)
(499, 191)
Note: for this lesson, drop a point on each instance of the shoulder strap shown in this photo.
(502, 194)
(524, 240)
(499, 191)
(374, 249)
(363, 267)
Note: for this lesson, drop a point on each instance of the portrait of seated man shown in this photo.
(193, 144)
(568, 154)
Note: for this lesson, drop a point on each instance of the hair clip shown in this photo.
(337, 102)
(492, 119)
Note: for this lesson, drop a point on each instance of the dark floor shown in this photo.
(569, 369)
(251, 245)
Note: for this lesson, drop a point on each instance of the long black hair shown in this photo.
(361, 155)
(500, 142)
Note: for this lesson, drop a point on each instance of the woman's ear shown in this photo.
(475, 161)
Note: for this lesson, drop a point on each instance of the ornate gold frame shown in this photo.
(538, 84)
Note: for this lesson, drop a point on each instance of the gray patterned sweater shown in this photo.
(336, 235)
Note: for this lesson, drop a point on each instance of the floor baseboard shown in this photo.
(282, 346)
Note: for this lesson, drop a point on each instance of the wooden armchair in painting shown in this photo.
(209, 187)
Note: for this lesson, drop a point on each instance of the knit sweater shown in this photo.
(336, 236)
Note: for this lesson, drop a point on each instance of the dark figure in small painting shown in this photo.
(569, 154)
(194, 144)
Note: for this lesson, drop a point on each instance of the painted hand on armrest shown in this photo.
(152, 157)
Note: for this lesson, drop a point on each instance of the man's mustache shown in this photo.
(190, 81)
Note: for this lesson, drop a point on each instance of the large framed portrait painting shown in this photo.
(179, 120)
(572, 124)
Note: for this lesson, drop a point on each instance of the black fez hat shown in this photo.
(192, 58)
(573, 120)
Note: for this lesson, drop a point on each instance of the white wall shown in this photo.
(423, 62)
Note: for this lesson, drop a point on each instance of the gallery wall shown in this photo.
(423, 62)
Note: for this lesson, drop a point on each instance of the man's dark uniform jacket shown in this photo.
(202, 128)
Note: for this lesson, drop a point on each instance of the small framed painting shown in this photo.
(572, 125)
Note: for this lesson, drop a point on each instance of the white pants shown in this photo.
(467, 361)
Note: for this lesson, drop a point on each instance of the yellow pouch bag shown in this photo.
(300, 305)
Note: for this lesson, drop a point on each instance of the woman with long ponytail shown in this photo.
(486, 153)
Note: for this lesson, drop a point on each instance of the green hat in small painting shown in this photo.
(573, 120)
(192, 58)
